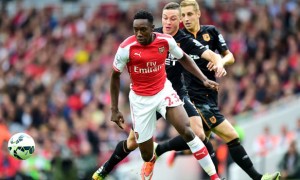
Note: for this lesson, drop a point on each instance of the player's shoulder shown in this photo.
(181, 36)
(129, 41)
(159, 30)
(208, 27)
(181, 33)
(211, 29)
(163, 36)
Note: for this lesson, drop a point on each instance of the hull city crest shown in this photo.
(206, 37)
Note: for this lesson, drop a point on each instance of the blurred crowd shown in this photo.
(55, 74)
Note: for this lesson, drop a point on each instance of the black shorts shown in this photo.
(188, 106)
(209, 112)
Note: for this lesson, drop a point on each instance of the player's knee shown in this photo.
(197, 127)
(229, 135)
(198, 130)
(233, 143)
(147, 156)
(200, 134)
(131, 143)
(188, 134)
(233, 135)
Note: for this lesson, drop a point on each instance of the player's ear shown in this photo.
(153, 26)
(199, 13)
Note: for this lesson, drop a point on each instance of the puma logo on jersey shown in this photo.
(138, 54)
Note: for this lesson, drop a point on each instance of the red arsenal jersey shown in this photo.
(146, 64)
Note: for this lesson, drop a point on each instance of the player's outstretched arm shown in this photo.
(228, 58)
(116, 115)
(215, 62)
(192, 67)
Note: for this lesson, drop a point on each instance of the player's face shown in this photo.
(143, 31)
(190, 17)
(170, 21)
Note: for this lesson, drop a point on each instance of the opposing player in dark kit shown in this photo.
(205, 99)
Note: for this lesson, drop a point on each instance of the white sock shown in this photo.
(201, 154)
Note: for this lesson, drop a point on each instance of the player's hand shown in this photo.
(218, 68)
(222, 73)
(117, 117)
(211, 84)
(211, 66)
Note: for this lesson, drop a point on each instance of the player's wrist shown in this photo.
(204, 79)
(220, 62)
(114, 109)
(223, 62)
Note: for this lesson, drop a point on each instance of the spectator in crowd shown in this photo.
(290, 163)
(298, 131)
(8, 165)
(4, 131)
(265, 142)
(285, 137)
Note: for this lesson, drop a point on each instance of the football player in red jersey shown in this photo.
(144, 55)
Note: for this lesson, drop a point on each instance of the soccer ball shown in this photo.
(21, 146)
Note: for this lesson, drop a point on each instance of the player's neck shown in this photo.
(195, 30)
(151, 39)
(175, 32)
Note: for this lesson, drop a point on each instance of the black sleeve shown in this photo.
(193, 47)
(220, 41)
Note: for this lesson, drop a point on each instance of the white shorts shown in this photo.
(144, 108)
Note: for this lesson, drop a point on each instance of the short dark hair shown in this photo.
(171, 6)
(142, 14)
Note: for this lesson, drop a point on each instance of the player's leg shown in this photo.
(146, 149)
(179, 147)
(197, 126)
(214, 120)
(121, 151)
(170, 107)
(143, 115)
(178, 118)
(178, 144)
(238, 153)
(225, 131)
(148, 156)
(220, 126)
(143, 130)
